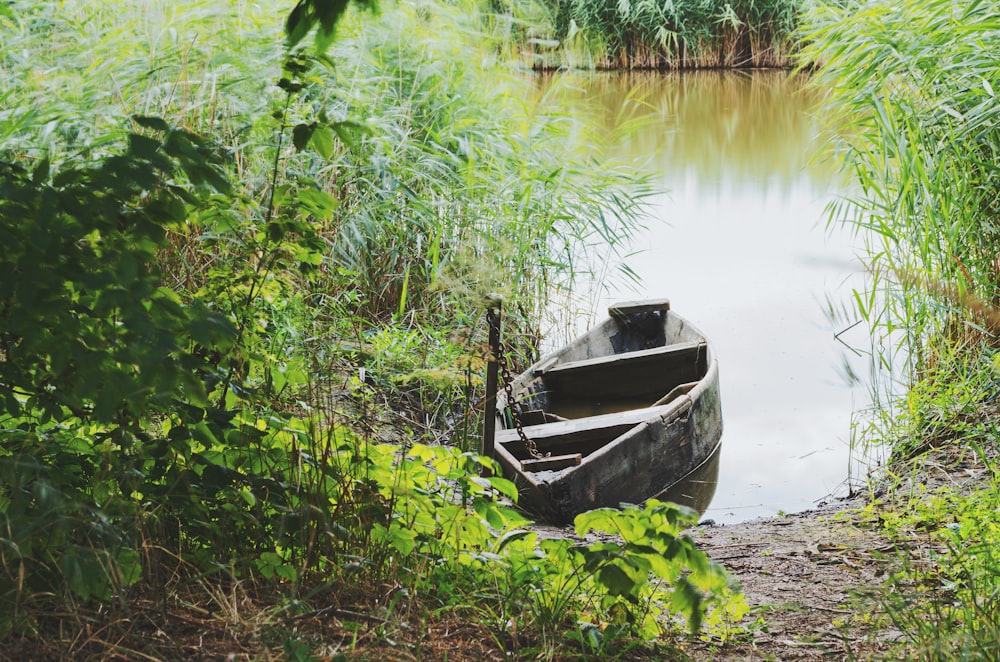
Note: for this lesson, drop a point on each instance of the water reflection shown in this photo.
(698, 487)
(738, 241)
(734, 128)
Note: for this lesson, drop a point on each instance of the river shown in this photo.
(738, 240)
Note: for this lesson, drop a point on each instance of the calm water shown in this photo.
(738, 241)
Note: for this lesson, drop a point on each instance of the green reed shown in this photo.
(677, 34)
(921, 137)
(915, 84)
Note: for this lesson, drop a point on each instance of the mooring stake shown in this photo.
(490, 424)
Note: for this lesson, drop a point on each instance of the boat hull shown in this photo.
(615, 452)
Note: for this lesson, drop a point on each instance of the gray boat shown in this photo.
(622, 414)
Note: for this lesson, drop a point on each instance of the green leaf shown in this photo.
(12, 406)
(84, 573)
(40, 172)
(318, 203)
(616, 580)
(504, 486)
(301, 135)
(127, 269)
(349, 130)
(687, 600)
(143, 146)
(212, 329)
(298, 24)
(494, 517)
(322, 141)
(599, 519)
(129, 567)
(149, 122)
(512, 536)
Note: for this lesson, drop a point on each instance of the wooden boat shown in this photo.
(621, 414)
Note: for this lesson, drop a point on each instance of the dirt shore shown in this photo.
(801, 574)
(812, 577)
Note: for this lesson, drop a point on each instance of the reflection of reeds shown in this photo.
(675, 34)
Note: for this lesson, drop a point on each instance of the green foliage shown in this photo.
(946, 603)
(323, 15)
(915, 84)
(199, 339)
(85, 325)
(601, 594)
(657, 35)
(54, 539)
(653, 546)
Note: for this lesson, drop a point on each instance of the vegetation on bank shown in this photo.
(915, 83)
(621, 34)
(242, 298)
(244, 276)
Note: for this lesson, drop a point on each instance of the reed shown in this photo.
(921, 136)
(915, 83)
(678, 34)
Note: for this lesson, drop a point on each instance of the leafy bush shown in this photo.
(188, 332)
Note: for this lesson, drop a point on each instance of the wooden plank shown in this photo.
(553, 463)
(641, 356)
(584, 435)
(580, 425)
(561, 439)
(623, 308)
(648, 371)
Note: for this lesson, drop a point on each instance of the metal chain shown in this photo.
(513, 405)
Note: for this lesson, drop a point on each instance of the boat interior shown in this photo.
(572, 408)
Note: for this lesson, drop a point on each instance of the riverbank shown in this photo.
(819, 582)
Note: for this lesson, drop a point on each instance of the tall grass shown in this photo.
(678, 34)
(80, 69)
(916, 86)
(913, 84)
(298, 291)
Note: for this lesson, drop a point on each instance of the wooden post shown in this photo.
(490, 424)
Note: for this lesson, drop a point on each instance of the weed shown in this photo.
(201, 340)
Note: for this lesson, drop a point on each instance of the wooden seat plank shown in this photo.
(624, 308)
(591, 427)
(553, 463)
(647, 371)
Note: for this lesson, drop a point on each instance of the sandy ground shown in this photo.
(810, 576)
(801, 573)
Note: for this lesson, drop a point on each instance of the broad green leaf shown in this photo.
(322, 141)
(301, 135)
(513, 536)
(616, 580)
(150, 122)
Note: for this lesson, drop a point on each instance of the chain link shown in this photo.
(513, 405)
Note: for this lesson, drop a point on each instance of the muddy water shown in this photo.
(739, 242)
